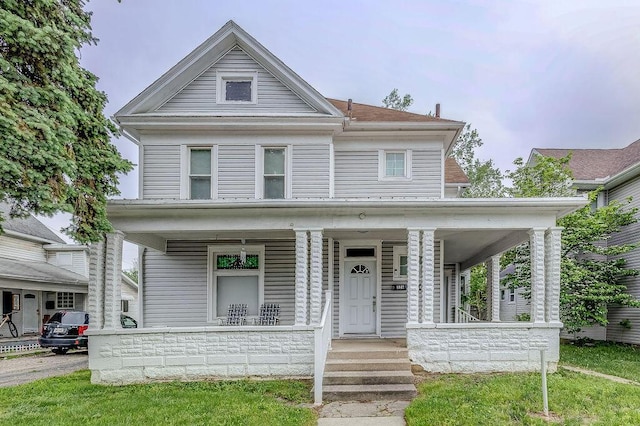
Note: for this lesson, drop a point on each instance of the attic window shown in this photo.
(237, 88)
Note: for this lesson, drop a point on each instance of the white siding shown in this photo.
(15, 248)
(356, 175)
(161, 171)
(78, 261)
(175, 283)
(394, 302)
(236, 171)
(200, 94)
(509, 310)
(310, 174)
(630, 234)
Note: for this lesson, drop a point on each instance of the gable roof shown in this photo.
(364, 112)
(29, 226)
(207, 54)
(597, 164)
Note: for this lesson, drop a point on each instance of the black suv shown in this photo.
(64, 331)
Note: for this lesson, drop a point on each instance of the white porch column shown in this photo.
(428, 279)
(301, 277)
(553, 260)
(113, 280)
(536, 245)
(95, 294)
(494, 265)
(413, 279)
(316, 277)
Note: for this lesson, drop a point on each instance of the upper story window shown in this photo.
(200, 173)
(237, 87)
(64, 259)
(394, 165)
(274, 170)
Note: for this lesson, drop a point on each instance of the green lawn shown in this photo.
(609, 358)
(73, 400)
(514, 399)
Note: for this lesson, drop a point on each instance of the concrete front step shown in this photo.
(369, 392)
(367, 377)
(380, 364)
(368, 354)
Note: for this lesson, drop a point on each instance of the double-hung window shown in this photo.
(394, 165)
(236, 276)
(200, 173)
(274, 171)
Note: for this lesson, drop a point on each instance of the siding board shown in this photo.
(161, 172)
(236, 171)
(356, 175)
(630, 234)
(310, 174)
(18, 249)
(200, 95)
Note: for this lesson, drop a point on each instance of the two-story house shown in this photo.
(254, 189)
(618, 172)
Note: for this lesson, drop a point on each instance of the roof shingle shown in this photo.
(364, 112)
(594, 164)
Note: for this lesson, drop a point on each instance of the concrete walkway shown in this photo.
(601, 375)
(373, 413)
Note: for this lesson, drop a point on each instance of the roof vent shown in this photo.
(350, 108)
(437, 110)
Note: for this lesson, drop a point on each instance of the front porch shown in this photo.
(384, 270)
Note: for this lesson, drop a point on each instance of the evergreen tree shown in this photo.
(55, 150)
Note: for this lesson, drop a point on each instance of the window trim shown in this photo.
(221, 88)
(259, 167)
(213, 273)
(511, 292)
(185, 170)
(73, 300)
(382, 164)
(398, 252)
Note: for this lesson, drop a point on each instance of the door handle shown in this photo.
(374, 304)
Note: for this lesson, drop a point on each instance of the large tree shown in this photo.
(55, 150)
(592, 271)
(485, 179)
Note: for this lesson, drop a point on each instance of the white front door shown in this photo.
(359, 312)
(30, 313)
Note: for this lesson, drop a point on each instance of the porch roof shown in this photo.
(473, 229)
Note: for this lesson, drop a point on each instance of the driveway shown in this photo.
(25, 369)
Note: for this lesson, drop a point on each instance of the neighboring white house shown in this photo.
(255, 188)
(618, 172)
(39, 273)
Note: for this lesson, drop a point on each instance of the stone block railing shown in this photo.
(142, 355)
(483, 347)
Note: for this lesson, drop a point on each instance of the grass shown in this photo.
(73, 400)
(609, 358)
(516, 399)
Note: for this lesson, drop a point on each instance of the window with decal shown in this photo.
(236, 277)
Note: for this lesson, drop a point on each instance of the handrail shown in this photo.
(465, 316)
(322, 344)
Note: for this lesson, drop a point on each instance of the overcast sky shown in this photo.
(526, 74)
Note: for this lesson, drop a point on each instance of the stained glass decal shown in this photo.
(233, 261)
(360, 269)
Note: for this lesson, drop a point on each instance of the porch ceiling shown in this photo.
(472, 229)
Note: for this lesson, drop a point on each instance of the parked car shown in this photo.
(65, 330)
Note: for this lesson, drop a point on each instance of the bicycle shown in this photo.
(6, 319)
